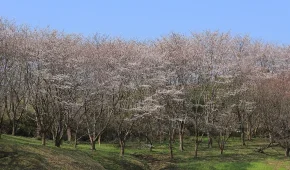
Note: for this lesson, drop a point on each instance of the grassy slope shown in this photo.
(27, 153)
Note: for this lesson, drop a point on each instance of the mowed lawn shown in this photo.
(27, 153)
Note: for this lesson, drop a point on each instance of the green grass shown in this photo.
(27, 153)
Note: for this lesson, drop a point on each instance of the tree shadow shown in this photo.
(14, 159)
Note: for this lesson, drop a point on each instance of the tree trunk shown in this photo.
(196, 139)
(53, 135)
(57, 143)
(181, 142)
(68, 133)
(160, 132)
(243, 134)
(76, 140)
(222, 146)
(122, 145)
(76, 136)
(58, 133)
(249, 129)
(255, 131)
(93, 144)
(243, 139)
(181, 133)
(99, 140)
(1, 122)
(271, 138)
(287, 150)
(173, 136)
(150, 142)
(250, 134)
(209, 145)
(57, 140)
(38, 133)
(196, 148)
(170, 147)
(13, 127)
(222, 151)
(209, 142)
(43, 138)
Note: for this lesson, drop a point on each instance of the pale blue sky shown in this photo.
(268, 20)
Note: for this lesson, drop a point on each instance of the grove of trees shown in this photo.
(209, 85)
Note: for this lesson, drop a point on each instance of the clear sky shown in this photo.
(268, 20)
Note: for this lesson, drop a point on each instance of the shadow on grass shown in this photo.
(22, 160)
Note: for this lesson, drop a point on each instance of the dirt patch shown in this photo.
(147, 158)
(170, 167)
(156, 164)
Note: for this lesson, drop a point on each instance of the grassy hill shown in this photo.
(27, 153)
